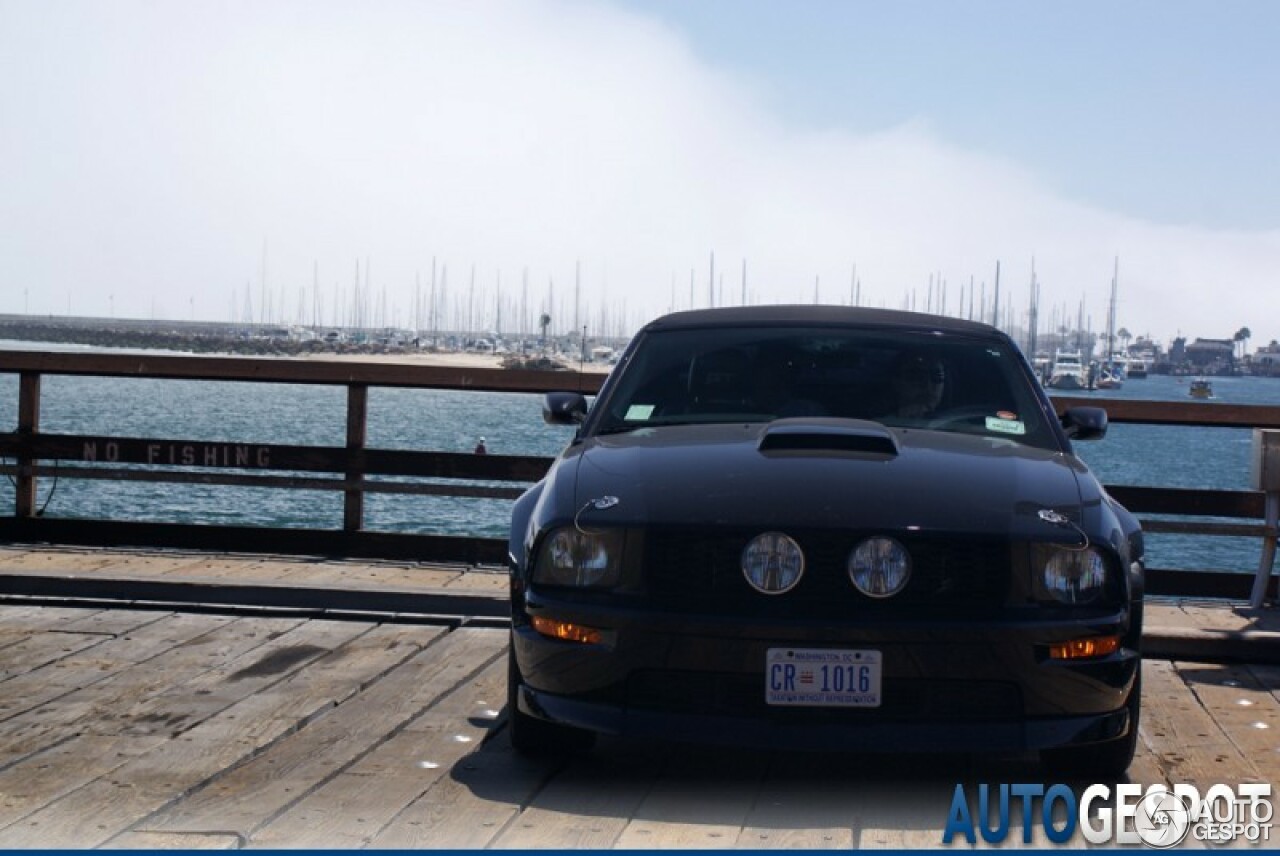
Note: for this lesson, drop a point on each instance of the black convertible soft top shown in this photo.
(818, 315)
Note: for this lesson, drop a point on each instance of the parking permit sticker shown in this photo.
(638, 412)
(1005, 426)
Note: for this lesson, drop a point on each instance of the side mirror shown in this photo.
(1085, 423)
(564, 408)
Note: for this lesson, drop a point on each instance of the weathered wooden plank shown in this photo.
(33, 783)
(1245, 710)
(468, 807)
(19, 622)
(35, 652)
(357, 575)
(254, 568)
(1145, 768)
(495, 581)
(181, 707)
(114, 622)
(338, 599)
(1172, 718)
(174, 841)
(885, 801)
(701, 800)
(240, 568)
(63, 561)
(1268, 677)
(153, 564)
(590, 803)
(1215, 616)
(107, 806)
(100, 631)
(1189, 743)
(803, 805)
(250, 796)
(349, 810)
(171, 653)
(264, 539)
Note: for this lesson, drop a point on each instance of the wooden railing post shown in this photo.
(1268, 559)
(357, 431)
(28, 425)
(1265, 475)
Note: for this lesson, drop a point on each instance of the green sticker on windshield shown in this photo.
(1005, 426)
(639, 412)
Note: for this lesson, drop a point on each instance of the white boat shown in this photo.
(1114, 366)
(1109, 377)
(1041, 364)
(1068, 372)
(1138, 366)
(1200, 388)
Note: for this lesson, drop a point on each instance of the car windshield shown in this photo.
(942, 382)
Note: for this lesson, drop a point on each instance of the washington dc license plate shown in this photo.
(822, 677)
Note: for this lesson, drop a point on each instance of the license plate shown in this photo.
(822, 677)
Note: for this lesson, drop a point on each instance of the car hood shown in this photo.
(900, 479)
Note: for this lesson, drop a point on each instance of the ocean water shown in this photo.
(445, 420)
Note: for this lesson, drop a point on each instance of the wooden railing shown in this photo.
(347, 468)
(186, 461)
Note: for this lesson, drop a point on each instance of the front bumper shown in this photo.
(866, 736)
(946, 686)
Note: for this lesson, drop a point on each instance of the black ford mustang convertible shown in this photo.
(826, 528)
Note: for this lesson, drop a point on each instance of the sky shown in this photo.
(420, 164)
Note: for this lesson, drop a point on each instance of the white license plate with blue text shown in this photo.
(822, 677)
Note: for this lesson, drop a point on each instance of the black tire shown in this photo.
(1099, 762)
(537, 737)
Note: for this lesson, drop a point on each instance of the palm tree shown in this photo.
(1125, 337)
(1242, 337)
(544, 322)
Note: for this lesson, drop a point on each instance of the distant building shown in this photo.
(1266, 360)
(1211, 354)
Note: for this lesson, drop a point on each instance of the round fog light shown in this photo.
(773, 563)
(879, 567)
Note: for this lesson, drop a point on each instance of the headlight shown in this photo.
(773, 563)
(572, 557)
(879, 567)
(1075, 576)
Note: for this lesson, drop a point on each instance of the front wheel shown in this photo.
(1100, 762)
(533, 736)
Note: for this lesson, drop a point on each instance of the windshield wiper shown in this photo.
(626, 429)
(663, 423)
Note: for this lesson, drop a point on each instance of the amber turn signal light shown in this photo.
(565, 630)
(1079, 649)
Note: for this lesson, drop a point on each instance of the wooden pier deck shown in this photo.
(144, 725)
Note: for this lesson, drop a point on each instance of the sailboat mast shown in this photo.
(1111, 312)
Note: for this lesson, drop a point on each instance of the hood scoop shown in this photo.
(817, 436)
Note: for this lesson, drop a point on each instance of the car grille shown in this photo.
(690, 569)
